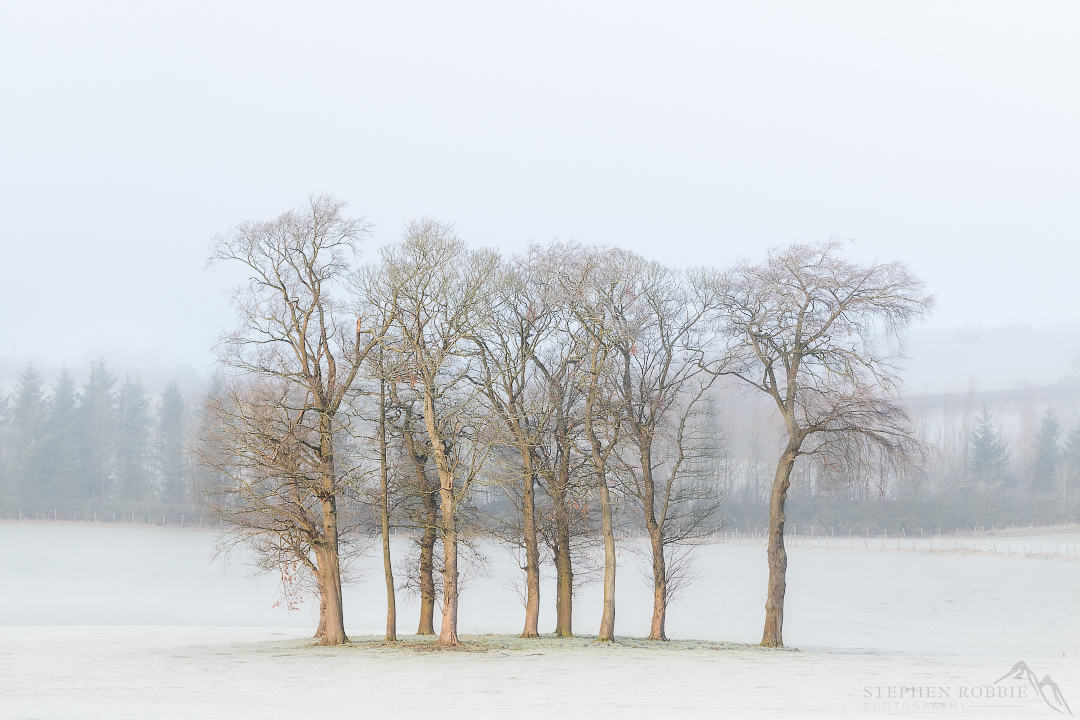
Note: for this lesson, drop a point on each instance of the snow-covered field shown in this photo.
(131, 623)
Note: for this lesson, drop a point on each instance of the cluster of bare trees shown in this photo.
(560, 398)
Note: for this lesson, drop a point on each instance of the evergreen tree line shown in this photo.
(1055, 460)
(113, 447)
(107, 447)
(976, 472)
(1028, 480)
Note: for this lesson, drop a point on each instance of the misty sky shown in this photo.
(944, 134)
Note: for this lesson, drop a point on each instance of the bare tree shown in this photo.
(403, 423)
(417, 449)
(593, 283)
(384, 511)
(666, 358)
(296, 346)
(560, 467)
(820, 336)
(521, 321)
(562, 383)
(439, 288)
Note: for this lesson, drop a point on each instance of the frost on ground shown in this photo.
(123, 623)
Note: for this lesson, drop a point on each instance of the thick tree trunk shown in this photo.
(564, 580)
(559, 490)
(532, 555)
(774, 604)
(607, 528)
(448, 628)
(329, 564)
(429, 521)
(427, 566)
(327, 554)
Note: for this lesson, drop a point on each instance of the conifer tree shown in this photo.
(170, 443)
(63, 439)
(133, 442)
(989, 456)
(29, 428)
(1047, 452)
(97, 417)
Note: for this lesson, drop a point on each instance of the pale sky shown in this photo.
(942, 134)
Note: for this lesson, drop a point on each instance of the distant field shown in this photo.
(118, 622)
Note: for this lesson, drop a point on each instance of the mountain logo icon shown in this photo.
(1021, 671)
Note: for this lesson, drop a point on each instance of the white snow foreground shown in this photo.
(117, 623)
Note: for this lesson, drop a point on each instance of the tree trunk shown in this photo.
(656, 541)
(607, 620)
(774, 604)
(384, 508)
(564, 582)
(391, 598)
(330, 569)
(321, 630)
(599, 462)
(660, 593)
(532, 553)
(427, 566)
(427, 538)
(326, 548)
(564, 589)
(448, 515)
(448, 628)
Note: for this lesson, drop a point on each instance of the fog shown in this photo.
(940, 135)
(174, 530)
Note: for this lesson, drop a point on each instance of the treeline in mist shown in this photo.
(988, 460)
(106, 447)
(111, 446)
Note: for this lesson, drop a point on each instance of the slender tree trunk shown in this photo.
(607, 620)
(391, 599)
(384, 508)
(656, 542)
(532, 552)
(774, 604)
(321, 630)
(564, 590)
(660, 591)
